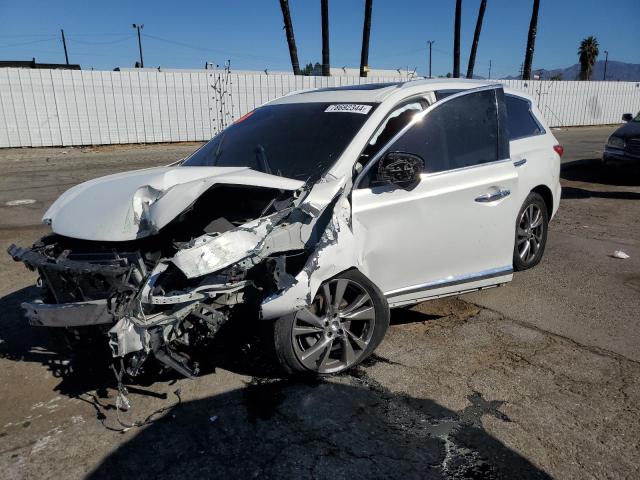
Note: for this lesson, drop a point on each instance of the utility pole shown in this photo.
(430, 42)
(606, 60)
(489, 69)
(64, 44)
(138, 27)
(324, 13)
(366, 34)
(456, 40)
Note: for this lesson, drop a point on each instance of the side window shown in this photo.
(440, 94)
(462, 132)
(396, 121)
(521, 121)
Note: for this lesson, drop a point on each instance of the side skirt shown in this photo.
(449, 286)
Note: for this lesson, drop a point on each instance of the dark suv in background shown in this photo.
(624, 143)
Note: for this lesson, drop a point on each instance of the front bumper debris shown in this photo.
(80, 314)
(168, 297)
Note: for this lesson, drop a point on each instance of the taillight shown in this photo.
(559, 149)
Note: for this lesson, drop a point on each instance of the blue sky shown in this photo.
(249, 32)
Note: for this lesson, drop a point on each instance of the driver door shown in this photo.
(452, 227)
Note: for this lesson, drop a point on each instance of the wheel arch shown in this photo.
(547, 196)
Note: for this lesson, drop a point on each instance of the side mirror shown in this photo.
(401, 169)
(627, 117)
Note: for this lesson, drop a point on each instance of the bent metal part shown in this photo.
(147, 301)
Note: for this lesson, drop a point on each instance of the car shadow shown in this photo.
(578, 193)
(350, 427)
(81, 366)
(402, 316)
(593, 171)
(24, 343)
(242, 347)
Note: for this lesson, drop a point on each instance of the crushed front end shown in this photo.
(166, 294)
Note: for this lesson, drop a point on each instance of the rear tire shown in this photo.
(347, 320)
(532, 225)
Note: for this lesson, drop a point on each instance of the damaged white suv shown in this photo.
(316, 212)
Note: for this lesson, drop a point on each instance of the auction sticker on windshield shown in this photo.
(349, 108)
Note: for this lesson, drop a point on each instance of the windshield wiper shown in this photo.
(219, 149)
(261, 157)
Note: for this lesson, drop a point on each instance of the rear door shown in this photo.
(531, 148)
(456, 225)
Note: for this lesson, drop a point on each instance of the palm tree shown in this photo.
(324, 10)
(476, 37)
(588, 53)
(531, 41)
(291, 40)
(456, 41)
(366, 31)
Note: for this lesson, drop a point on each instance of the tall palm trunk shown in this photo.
(531, 41)
(324, 7)
(291, 40)
(476, 38)
(366, 32)
(456, 41)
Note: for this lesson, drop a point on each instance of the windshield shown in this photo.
(295, 140)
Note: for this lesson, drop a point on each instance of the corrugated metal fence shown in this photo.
(67, 107)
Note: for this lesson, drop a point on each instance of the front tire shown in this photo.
(344, 324)
(531, 232)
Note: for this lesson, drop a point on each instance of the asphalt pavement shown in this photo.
(536, 379)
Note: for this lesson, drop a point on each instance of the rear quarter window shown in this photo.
(521, 120)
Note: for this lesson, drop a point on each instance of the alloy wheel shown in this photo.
(334, 332)
(530, 233)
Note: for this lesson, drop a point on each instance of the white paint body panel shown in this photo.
(437, 231)
(436, 234)
(112, 208)
(542, 166)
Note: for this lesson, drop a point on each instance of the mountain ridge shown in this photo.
(616, 71)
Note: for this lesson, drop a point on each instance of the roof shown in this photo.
(378, 92)
(371, 72)
(33, 64)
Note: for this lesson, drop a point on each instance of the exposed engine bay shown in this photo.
(226, 254)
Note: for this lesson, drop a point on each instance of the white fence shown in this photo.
(66, 107)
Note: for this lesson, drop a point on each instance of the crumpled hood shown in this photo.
(136, 204)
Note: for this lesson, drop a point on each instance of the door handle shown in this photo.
(493, 196)
(519, 163)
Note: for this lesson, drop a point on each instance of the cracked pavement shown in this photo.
(537, 379)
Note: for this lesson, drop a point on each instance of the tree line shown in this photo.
(587, 52)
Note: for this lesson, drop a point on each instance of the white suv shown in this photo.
(318, 211)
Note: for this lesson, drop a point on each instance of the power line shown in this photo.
(53, 37)
(27, 35)
(444, 52)
(206, 49)
(93, 34)
(100, 34)
(109, 42)
(390, 55)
